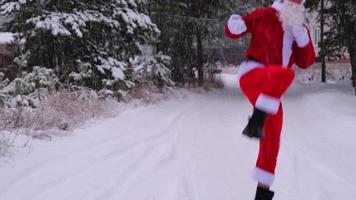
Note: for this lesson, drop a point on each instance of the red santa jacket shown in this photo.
(270, 44)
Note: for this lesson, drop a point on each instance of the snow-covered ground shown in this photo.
(192, 149)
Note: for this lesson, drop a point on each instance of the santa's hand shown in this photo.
(301, 35)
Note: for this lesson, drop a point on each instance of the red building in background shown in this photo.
(7, 55)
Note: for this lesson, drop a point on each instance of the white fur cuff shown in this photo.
(248, 66)
(301, 36)
(262, 176)
(236, 25)
(268, 104)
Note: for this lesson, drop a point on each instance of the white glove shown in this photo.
(236, 24)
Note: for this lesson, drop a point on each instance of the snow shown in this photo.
(9, 7)
(117, 73)
(117, 67)
(75, 24)
(6, 38)
(56, 22)
(192, 149)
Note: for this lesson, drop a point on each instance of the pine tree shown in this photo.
(85, 42)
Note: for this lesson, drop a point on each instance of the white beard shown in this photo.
(292, 14)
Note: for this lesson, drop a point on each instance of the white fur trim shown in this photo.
(287, 47)
(268, 104)
(277, 5)
(301, 36)
(236, 25)
(262, 176)
(247, 66)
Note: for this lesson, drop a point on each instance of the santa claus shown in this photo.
(279, 39)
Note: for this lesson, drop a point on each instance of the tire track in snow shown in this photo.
(78, 153)
(163, 154)
(137, 171)
(163, 151)
(86, 168)
(168, 181)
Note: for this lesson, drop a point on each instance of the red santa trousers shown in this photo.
(264, 86)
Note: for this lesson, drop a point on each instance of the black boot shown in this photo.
(254, 128)
(264, 194)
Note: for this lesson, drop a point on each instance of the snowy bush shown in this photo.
(29, 89)
(59, 111)
(3, 82)
(152, 69)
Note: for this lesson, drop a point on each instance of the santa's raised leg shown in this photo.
(279, 39)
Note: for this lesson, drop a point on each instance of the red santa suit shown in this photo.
(267, 73)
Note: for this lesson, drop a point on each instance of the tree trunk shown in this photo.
(352, 51)
(322, 45)
(200, 58)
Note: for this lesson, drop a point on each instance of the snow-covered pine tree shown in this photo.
(88, 42)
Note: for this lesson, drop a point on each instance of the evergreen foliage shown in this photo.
(188, 28)
(89, 43)
(340, 33)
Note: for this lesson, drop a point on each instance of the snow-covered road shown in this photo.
(192, 149)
